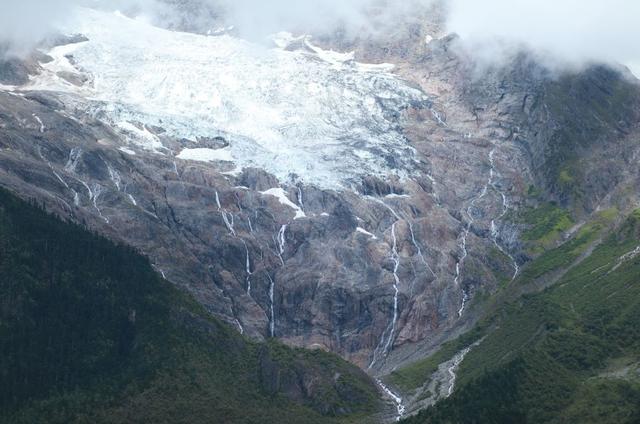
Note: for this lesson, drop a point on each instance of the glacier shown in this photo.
(303, 114)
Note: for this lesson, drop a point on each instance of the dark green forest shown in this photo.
(89, 333)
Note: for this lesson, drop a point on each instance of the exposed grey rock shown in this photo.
(327, 280)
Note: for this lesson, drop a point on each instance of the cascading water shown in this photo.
(387, 338)
(39, 121)
(225, 217)
(494, 230)
(240, 327)
(396, 264)
(417, 246)
(397, 400)
(386, 342)
(280, 239)
(455, 363)
(250, 224)
(272, 316)
(248, 268)
(495, 233)
(463, 243)
(281, 245)
(300, 199)
(114, 176)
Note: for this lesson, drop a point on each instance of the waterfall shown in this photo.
(384, 347)
(225, 216)
(495, 233)
(397, 400)
(396, 264)
(247, 268)
(417, 246)
(463, 241)
(272, 317)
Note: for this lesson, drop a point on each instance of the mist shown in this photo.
(24, 23)
(565, 33)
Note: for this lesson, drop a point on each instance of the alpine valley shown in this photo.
(313, 228)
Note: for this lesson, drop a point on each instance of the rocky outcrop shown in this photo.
(15, 70)
(328, 389)
(568, 123)
(324, 279)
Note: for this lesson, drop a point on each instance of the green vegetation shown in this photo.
(586, 109)
(413, 376)
(558, 356)
(546, 224)
(568, 252)
(90, 334)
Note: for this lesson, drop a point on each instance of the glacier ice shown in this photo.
(307, 115)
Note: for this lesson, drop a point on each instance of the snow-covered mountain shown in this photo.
(300, 112)
(355, 195)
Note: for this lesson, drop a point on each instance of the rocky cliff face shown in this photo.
(379, 267)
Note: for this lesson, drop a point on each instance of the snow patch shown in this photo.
(284, 200)
(206, 155)
(365, 232)
(397, 196)
(127, 151)
(141, 136)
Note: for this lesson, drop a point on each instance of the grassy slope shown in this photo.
(545, 355)
(90, 334)
(546, 225)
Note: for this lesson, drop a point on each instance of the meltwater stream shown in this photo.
(494, 229)
(397, 400)
(495, 233)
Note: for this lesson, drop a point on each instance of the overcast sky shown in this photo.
(569, 30)
(24, 22)
(574, 31)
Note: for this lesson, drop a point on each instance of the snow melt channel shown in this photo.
(384, 347)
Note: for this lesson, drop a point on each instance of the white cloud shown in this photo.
(257, 18)
(25, 22)
(566, 31)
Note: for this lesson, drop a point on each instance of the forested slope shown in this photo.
(90, 333)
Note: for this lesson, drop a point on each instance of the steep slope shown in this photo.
(311, 193)
(343, 237)
(580, 129)
(90, 333)
(567, 354)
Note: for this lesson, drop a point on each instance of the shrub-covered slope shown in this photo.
(565, 355)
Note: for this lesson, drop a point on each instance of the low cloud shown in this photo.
(256, 19)
(562, 32)
(23, 23)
